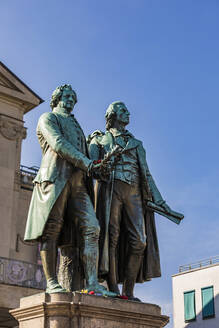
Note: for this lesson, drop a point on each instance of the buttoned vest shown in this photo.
(127, 168)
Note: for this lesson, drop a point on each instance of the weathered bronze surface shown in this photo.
(128, 241)
(61, 210)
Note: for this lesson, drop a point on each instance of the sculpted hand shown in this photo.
(164, 205)
(99, 170)
(95, 169)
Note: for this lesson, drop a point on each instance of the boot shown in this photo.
(133, 266)
(112, 276)
(49, 261)
(90, 259)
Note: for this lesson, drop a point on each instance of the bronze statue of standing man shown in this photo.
(128, 242)
(63, 192)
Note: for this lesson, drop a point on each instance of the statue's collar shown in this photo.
(62, 111)
(117, 133)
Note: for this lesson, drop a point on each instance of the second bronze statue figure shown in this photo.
(128, 241)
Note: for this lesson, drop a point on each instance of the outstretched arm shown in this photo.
(162, 208)
(156, 195)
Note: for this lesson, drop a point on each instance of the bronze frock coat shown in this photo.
(101, 143)
(64, 150)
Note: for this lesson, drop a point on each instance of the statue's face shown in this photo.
(67, 100)
(122, 114)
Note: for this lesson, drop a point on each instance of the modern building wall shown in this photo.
(195, 279)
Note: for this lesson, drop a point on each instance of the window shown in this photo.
(208, 302)
(189, 306)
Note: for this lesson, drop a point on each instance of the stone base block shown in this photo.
(75, 310)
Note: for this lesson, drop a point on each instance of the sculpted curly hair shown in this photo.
(57, 93)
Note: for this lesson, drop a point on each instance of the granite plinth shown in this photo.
(75, 310)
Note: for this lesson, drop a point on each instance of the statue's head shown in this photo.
(117, 112)
(64, 96)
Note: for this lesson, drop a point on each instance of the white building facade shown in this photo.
(196, 295)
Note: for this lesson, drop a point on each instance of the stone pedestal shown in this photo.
(75, 310)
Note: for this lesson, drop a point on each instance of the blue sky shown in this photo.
(161, 58)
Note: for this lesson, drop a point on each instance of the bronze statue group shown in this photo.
(107, 232)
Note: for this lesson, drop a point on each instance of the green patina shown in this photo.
(61, 210)
(128, 242)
